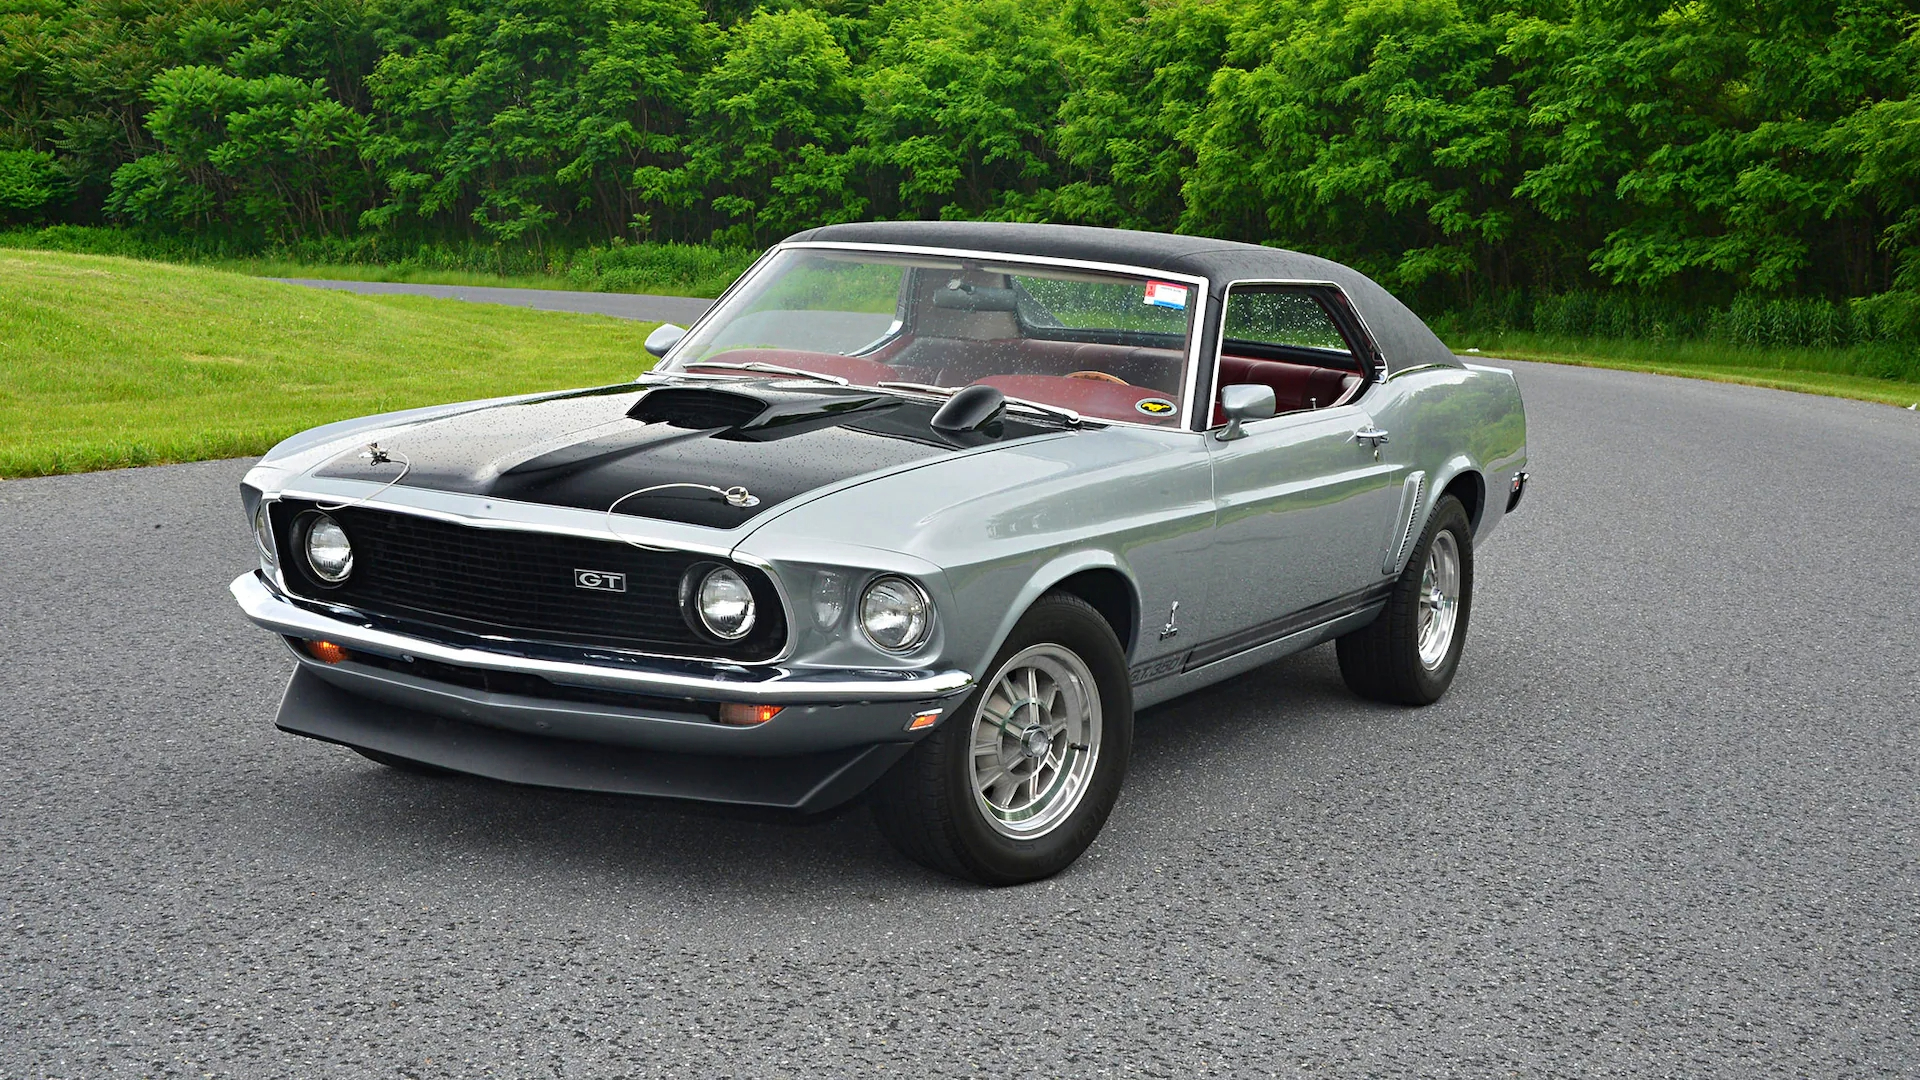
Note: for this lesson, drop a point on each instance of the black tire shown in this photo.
(1382, 660)
(405, 765)
(926, 806)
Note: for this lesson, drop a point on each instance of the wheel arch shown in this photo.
(1098, 577)
(1465, 482)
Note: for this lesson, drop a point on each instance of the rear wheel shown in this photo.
(1018, 781)
(1409, 654)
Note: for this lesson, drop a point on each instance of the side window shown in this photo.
(1286, 337)
(1284, 318)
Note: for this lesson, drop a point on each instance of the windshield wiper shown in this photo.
(924, 388)
(1057, 411)
(771, 369)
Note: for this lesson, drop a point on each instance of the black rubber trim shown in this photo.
(805, 783)
(1221, 648)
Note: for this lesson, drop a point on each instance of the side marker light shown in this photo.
(747, 715)
(326, 652)
(924, 719)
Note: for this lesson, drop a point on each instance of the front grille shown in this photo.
(519, 584)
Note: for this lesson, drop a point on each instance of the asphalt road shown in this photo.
(674, 309)
(1664, 825)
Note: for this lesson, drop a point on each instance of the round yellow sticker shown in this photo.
(1154, 406)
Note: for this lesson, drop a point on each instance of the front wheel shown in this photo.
(1018, 781)
(1409, 654)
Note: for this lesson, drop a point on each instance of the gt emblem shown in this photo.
(603, 580)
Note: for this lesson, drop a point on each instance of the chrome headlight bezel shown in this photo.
(309, 523)
(263, 535)
(920, 622)
(703, 586)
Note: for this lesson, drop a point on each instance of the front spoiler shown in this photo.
(683, 679)
(805, 783)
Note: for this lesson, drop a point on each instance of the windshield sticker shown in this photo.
(1154, 406)
(1167, 295)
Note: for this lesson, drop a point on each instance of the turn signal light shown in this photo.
(924, 720)
(747, 715)
(326, 652)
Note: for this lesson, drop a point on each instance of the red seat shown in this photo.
(957, 361)
(854, 369)
(1295, 386)
(1088, 397)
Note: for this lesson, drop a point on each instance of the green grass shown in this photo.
(662, 269)
(1830, 372)
(108, 362)
(411, 275)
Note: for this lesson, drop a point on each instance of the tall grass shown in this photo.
(1875, 337)
(671, 269)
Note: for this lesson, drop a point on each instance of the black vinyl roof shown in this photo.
(1402, 337)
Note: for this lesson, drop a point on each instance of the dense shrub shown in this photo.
(1888, 319)
(31, 184)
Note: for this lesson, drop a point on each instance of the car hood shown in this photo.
(666, 452)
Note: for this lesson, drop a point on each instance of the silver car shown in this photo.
(923, 511)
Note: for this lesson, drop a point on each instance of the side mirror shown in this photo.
(1242, 402)
(664, 337)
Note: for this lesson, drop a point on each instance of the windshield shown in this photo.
(1108, 346)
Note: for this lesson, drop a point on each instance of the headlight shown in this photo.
(263, 533)
(329, 555)
(724, 604)
(895, 614)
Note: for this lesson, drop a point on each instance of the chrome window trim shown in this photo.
(1220, 339)
(509, 524)
(1278, 422)
(1420, 367)
(1195, 338)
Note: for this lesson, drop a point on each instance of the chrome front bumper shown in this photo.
(773, 685)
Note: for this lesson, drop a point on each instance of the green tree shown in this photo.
(770, 127)
(528, 116)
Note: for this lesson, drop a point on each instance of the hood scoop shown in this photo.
(696, 409)
(766, 415)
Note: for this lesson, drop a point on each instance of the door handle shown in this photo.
(1370, 435)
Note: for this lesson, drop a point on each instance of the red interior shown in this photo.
(1040, 368)
(1089, 397)
(1295, 386)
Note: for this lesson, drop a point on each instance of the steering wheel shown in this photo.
(1099, 375)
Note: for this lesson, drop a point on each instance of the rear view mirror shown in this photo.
(664, 337)
(977, 298)
(1242, 402)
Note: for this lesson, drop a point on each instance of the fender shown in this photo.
(1051, 573)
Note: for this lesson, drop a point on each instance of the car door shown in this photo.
(1302, 499)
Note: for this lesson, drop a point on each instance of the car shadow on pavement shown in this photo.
(332, 798)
